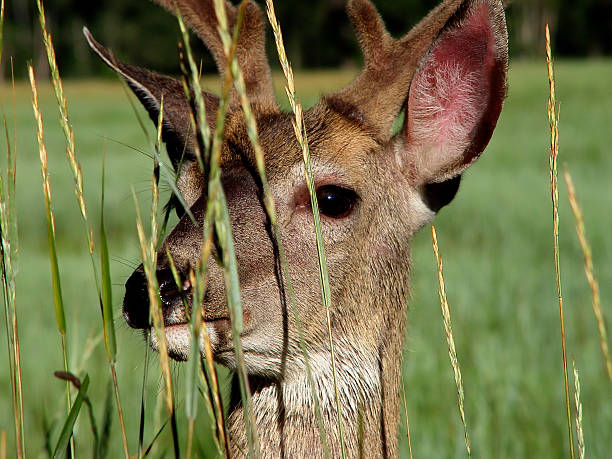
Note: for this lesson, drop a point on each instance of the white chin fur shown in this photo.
(178, 340)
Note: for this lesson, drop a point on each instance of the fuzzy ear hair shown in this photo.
(457, 93)
(150, 87)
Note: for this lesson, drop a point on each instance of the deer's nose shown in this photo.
(168, 290)
(136, 301)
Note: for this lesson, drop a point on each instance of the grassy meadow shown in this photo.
(495, 238)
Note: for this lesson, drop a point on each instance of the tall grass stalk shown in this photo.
(149, 260)
(60, 315)
(553, 117)
(302, 138)
(579, 428)
(66, 126)
(406, 417)
(589, 271)
(191, 82)
(3, 433)
(217, 202)
(448, 330)
(269, 206)
(104, 296)
(9, 247)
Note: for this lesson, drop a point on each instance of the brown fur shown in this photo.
(396, 180)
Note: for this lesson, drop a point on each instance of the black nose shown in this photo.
(136, 300)
(168, 290)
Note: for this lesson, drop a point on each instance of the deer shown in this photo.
(375, 189)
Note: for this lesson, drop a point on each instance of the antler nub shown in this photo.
(371, 32)
(380, 89)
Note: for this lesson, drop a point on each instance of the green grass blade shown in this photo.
(66, 432)
(216, 199)
(104, 441)
(110, 341)
(60, 315)
(107, 291)
(193, 363)
(143, 395)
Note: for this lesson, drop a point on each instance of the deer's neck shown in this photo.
(368, 388)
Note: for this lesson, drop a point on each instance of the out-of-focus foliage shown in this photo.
(317, 32)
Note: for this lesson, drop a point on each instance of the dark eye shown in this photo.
(335, 201)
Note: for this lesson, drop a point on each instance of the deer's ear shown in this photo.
(150, 87)
(456, 95)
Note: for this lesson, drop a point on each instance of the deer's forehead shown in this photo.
(333, 139)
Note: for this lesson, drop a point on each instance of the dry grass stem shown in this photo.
(58, 88)
(77, 173)
(302, 138)
(217, 204)
(155, 310)
(589, 271)
(148, 249)
(406, 417)
(579, 429)
(448, 329)
(9, 251)
(9, 248)
(553, 117)
(55, 274)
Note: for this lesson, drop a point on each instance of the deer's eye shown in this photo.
(335, 201)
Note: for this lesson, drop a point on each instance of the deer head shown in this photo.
(375, 190)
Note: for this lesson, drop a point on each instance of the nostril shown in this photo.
(136, 301)
(168, 290)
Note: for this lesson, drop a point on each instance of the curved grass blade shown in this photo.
(76, 382)
(66, 432)
(110, 341)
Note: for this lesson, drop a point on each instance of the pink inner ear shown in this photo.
(450, 94)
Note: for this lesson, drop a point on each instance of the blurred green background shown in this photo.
(495, 238)
(317, 33)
